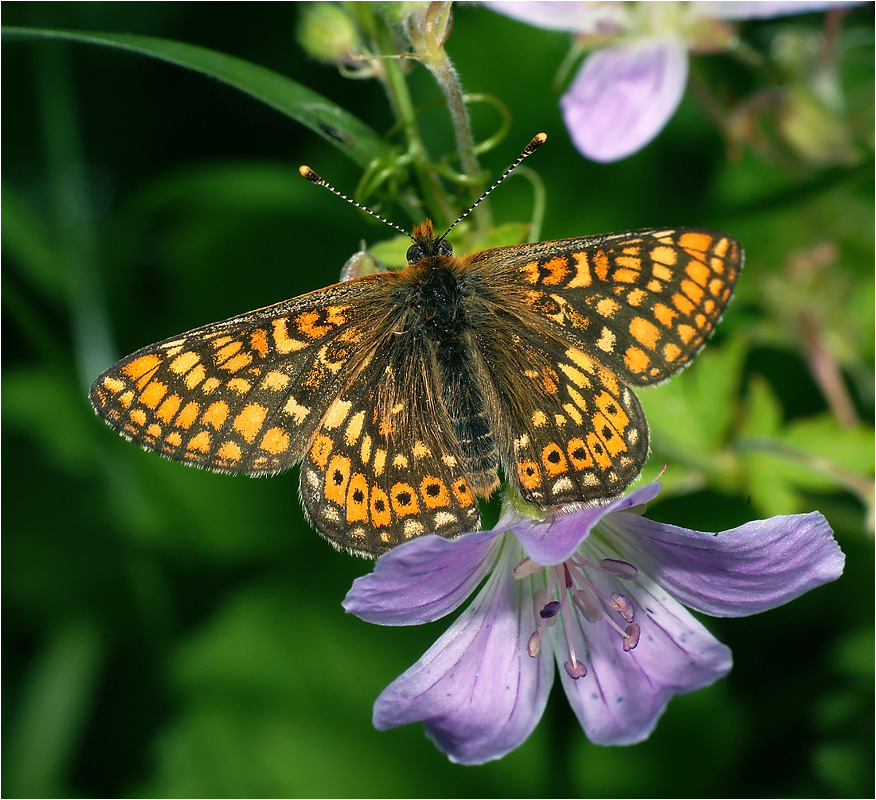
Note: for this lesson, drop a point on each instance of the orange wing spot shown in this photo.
(671, 352)
(282, 341)
(539, 419)
(644, 332)
(664, 314)
(579, 455)
(211, 385)
(113, 384)
(337, 476)
(138, 416)
(216, 414)
(308, 323)
(685, 333)
(381, 515)
(184, 362)
(700, 320)
(636, 360)
(699, 242)
(613, 443)
(221, 341)
(462, 493)
(434, 492)
(239, 385)
(528, 474)
(530, 272)
(557, 269)
(379, 461)
(602, 263)
(721, 247)
(654, 286)
(140, 366)
(613, 412)
(200, 442)
(693, 291)
(625, 276)
(709, 306)
(716, 286)
(683, 304)
(661, 272)
(664, 255)
(635, 297)
(126, 398)
(582, 272)
(554, 460)
(320, 450)
(173, 438)
(354, 428)
(188, 415)
(249, 421)
(597, 448)
(258, 341)
(195, 376)
(607, 307)
(237, 362)
(357, 498)
(275, 381)
(404, 499)
(168, 408)
(229, 451)
(698, 272)
(275, 441)
(630, 262)
(152, 394)
(154, 430)
(606, 341)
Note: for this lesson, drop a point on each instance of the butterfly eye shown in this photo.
(444, 248)
(415, 253)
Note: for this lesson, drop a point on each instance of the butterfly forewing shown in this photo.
(641, 303)
(246, 394)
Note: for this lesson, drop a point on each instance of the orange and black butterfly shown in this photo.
(404, 393)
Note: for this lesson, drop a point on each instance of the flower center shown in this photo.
(568, 586)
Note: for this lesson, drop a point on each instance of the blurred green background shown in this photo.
(173, 632)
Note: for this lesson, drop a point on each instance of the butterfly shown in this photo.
(403, 394)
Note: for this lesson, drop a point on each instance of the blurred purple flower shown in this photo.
(599, 590)
(626, 92)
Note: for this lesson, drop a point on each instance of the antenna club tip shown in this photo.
(537, 141)
(308, 173)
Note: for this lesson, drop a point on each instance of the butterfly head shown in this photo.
(426, 245)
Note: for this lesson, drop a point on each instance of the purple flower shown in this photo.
(599, 591)
(627, 91)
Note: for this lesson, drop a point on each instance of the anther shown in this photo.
(588, 605)
(550, 610)
(575, 669)
(622, 569)
(633, 632)
(533, 646)
(623, 606)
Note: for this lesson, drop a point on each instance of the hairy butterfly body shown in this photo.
(404, 393)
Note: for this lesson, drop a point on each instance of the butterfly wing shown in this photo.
(642, 303)
(384, 465)
(243, 395)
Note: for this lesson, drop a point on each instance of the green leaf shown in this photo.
(337, 126)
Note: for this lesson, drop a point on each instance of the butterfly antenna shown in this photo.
(537, 141)
(309, 174)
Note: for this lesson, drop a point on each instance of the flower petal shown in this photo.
(748, 569)
(586, 18)
(623, 695)
(552, 541)
(422, 580)
(623, 96)
(477, 690)
(761, 9)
